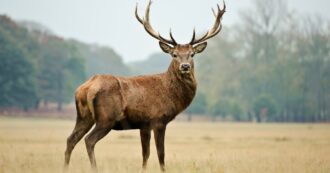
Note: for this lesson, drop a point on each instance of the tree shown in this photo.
(314, 52)
(226, 108)
(264, 108)
(236, 112)
(17, 82)
(100, 60)
(220, 108)
(61, 70)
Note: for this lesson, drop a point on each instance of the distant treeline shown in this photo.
(274, 65)
(37, 66)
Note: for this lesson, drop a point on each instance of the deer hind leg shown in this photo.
(83, 125)
(159, 134)
(145, 142)
(105, 120)
(99, 131)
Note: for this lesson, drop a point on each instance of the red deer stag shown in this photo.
(143, 102)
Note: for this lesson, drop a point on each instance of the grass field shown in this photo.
(37, 146)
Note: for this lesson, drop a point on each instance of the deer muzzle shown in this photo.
(185, 67)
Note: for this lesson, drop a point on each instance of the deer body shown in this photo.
(147, 103)
(141, 102)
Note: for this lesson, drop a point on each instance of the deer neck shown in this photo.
(182, 86)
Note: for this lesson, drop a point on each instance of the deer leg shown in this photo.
(159, 134)
(100, 130)
(81, 128)
(145, 142)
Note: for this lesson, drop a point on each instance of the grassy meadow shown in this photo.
(37, 146)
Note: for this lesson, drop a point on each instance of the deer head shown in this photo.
(182, 54)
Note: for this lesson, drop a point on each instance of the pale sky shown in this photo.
(112, 22)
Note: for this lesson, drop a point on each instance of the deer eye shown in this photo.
(192, 55)
(175, 55)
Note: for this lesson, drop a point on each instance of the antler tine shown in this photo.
(147, 26)
(193, 37)
(193, 40)
(146, 23)
(217, 26)
(137, 15)
(172, 41)
(172, 38)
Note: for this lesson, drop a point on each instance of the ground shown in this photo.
(37, 146)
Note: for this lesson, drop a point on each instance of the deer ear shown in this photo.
(165, 47)
(200, 47)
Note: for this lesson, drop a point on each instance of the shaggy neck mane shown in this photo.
(182, 87)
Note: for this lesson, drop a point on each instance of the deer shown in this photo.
(146, 103)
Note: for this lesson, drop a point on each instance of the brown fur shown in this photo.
(143, 102)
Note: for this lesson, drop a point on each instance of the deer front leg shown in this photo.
(159, 134)
(145, 142)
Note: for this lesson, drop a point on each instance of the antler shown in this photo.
(217, 26)
(146, 24)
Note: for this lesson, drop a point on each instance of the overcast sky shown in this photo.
(112, 22)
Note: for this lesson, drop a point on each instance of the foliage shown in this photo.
(264, 105)
(198, 105)
(101, 60)
(273, 58)
(17, 85)
(57, 84)
(38, 66)
(227, 108)
(272, 52)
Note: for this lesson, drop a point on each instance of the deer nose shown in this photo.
(185, 67)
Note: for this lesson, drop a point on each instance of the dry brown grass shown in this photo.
(37, 146)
